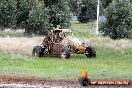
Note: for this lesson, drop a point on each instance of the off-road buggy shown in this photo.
(57, 44)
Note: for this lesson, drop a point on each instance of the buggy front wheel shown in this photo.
(38, 51)
(65, 54)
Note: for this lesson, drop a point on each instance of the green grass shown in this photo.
(84, 30)
(109, 64)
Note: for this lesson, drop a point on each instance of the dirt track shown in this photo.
(32, 82)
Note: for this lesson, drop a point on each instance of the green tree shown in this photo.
(88, 10)
(74, 6)
(59, 13)
(7, 13)
(38, 20)
(119, 20)
(23, 8)
(106, 3)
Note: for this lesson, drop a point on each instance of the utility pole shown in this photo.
(97, 27)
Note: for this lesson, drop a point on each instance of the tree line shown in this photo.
(35, 16)
(40, 16)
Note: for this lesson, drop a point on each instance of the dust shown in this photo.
(24, 45)
(106, 42)
(20, 45)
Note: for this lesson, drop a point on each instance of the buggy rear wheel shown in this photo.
(90, 52)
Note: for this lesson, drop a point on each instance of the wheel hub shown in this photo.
(63, 55)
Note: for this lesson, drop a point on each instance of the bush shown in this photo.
(119, 20)
(36, 16)
(23, 8)
(58, 12)
(38, 22)
(88, 11)
(105, 3)
(74, 5)
(7, 13)
(45, 14)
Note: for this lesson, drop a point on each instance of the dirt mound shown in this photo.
(38, 81)
(34, 82)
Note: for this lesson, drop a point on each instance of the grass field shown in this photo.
(113, 61)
